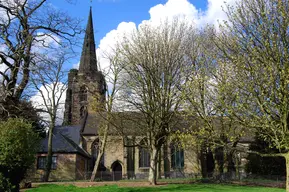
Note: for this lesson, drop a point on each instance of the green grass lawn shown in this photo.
(168, 188)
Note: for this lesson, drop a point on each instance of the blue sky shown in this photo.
(107, 14)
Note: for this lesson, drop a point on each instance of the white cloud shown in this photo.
(12, 4)
(183, 8)
(76, 65)
(108, 45)
(173, 8)
(215, 12)
(38, 102)
(45, 40)
(3, 67)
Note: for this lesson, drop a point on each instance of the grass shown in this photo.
(168, 180)
(168, 188)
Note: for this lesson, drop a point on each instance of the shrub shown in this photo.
(265, 166)
(18, 146)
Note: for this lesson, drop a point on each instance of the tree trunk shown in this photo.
(210, 163)
(287, 171)
(219, 156)
(153, 166)
(203, 159)
(231, 169)
(96, 166)
(166, 161)
(49, 154)
(100, 154)
(231, 165)
(159, 164)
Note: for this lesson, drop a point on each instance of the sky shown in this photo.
(107, 14)
(112, 16)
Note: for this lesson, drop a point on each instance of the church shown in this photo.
(75, 145)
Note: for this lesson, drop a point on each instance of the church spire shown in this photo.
(88, 62)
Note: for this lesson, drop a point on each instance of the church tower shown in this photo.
(85, 85)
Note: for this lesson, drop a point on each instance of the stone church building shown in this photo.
(75, 145)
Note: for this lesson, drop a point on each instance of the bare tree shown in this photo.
(106, 116)
(155, 66)
(49, 79)
(25, 28)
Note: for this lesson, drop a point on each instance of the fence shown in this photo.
(176, 175)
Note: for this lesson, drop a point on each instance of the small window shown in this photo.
(54, 163)
(83, 94)
(144, 156)
(41, 162)
(177, 157)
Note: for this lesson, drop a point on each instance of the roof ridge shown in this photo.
(74, 145)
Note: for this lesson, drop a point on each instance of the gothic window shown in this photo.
(177, 156)
(144, 155)
(83, 93)
(94, 153)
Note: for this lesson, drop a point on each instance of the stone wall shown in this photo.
(74, 103)
(68, 101)
(65, 169)
(115, 151)
(81, 167)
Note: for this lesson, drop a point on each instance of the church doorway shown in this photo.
(116, 171)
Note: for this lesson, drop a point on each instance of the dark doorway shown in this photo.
(116, 171)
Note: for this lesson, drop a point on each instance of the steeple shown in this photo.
(88, 62)
(84, 84)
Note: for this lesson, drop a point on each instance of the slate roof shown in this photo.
(65, 139)
(90, 124)
(126, 122)
(133, 123)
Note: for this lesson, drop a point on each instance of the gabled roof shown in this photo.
(65, 140)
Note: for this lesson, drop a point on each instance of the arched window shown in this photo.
(82, 111)
(94, 153)
(83, 93)
(144, 155)
(177, 156)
